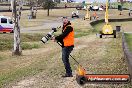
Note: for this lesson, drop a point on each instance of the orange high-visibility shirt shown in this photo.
(69, 39)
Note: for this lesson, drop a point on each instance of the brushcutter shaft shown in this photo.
(71, 56)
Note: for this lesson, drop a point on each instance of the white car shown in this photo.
(6, 24)
(97, 8)
(100, 9)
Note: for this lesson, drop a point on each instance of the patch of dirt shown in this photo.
(25, 83)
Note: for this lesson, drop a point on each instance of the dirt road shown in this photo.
(39, 29)
(47, 25)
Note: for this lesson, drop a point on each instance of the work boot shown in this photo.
(67, 75)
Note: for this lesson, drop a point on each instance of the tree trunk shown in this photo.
(17, 48)
(31, 9)
(48, 12)
(36, 9)
(32, 12)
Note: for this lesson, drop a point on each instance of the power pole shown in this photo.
(16, 19)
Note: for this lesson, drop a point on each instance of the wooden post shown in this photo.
(16, 18)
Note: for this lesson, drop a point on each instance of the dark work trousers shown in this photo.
(65, 58)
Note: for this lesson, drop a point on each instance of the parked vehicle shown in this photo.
(6, 24)
(95, 8)
(75, 14)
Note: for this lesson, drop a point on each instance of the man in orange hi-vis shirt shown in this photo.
(66, 38)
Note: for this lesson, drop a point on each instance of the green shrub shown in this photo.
(29, 46)
(4, 45)
(6, 41)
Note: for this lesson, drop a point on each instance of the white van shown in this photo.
(6, 24)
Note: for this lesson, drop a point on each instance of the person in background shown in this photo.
(95, 15)
(65, 6)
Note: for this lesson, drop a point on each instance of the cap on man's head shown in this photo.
(64, 17)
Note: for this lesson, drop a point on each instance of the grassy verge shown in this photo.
(79, 33)
(129, 40)
(30, 41)
(6, 41)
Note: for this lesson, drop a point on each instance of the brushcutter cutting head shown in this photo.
(81, 71)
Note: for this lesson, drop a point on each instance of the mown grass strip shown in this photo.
(128, 37)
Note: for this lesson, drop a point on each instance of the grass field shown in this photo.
(41, 67)
(125, 26)
(95, 55)
(125, 5)
(87, 49)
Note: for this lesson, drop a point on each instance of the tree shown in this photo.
(57, 1)
(33, 8)
(16, 19)
(48, 4)
(33, 4)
